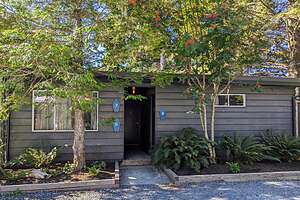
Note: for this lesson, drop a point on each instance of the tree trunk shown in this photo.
(212, 129)
(78, 145)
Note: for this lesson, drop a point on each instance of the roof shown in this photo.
(276, 81)
(293, 82)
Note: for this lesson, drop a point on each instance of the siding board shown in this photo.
(102, 144)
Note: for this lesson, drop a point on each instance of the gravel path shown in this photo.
(212, 191)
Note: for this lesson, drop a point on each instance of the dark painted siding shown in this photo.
(104, 144)
(271, 109)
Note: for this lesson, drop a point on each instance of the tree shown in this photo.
(51, 45)
(206, 43)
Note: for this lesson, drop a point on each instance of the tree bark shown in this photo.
(78, 145)
(212, 128)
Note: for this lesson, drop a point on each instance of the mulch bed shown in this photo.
(255, 168)
(57, 175)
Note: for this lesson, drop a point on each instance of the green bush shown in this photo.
(68, 168)
(184, 150)
(234, 167)
(246, 150)
(283, 147)
(96, 168)
(35, 158)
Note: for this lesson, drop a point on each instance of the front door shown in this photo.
(139, 120)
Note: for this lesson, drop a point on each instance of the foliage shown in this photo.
(96, 168)
(15, 175)
(135, 97)
(283, 147)
(246, 150)
(69, 168)
(184, 150)
(234, 167)
(36, 158)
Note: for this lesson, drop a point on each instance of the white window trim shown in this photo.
(54, 119)
(232, 106)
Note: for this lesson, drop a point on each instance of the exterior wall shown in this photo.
(102, 144)
(271, 109)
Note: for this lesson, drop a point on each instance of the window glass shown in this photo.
(63, 114)
(90, 118)
(56, 114)
(43, 111)
(222, 100)
(236, 100)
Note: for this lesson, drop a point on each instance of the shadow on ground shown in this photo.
(211, 191)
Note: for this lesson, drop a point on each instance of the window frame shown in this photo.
(54, 117)
(228, 104)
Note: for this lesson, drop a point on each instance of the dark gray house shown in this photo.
(166, 110)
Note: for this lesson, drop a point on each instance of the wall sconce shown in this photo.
(116, 126)
(116, 104)
(133, 90)
(162, 114)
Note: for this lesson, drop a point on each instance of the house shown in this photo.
(243, 110)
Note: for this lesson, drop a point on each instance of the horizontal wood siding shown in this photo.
(103, 144)
(270, 109)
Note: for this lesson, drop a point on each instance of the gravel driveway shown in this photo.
(212, 191)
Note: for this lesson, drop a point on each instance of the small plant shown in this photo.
(245, 150)
(69, 168)
(15, 175)
(185, 150)
(35, 158)
(234, 167)
(96, 168)
(2, 162)
(283, 147)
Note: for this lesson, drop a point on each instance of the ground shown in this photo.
(147, 183)
(211, 191)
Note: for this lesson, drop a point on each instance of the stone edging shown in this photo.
(67, 186)
(262, 176)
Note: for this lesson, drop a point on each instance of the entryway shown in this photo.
(139, 126)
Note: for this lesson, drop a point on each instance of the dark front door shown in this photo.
(139, 120)
(133, 123)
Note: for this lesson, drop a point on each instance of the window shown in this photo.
(231, 100)
(55, 114)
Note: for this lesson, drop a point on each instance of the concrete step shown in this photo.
(140, 162)
(142, 175)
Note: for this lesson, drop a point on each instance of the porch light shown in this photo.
(133, 90)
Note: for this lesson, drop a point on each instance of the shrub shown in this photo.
(283, 147)
(69, 168)
(244, 150)
(234, 167)
(184, 150)
(2, 153)
(96, 168)
(35, 158)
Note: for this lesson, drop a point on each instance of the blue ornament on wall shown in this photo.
(116, 104)
(162, 114)
(116, 126)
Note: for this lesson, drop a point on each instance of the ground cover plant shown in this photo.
(38, 166)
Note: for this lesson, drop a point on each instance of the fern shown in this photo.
(283, 147)
(245, 150)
